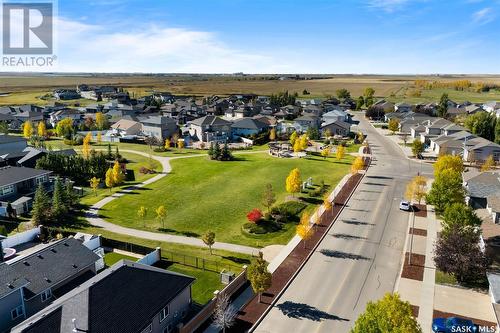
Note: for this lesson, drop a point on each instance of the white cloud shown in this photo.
(483, 16)
(387, 5)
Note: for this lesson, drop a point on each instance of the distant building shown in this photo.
(11, 143)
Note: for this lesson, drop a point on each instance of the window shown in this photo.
(163, 313)
(17, 312)
(148, 329)
(46, 295)
(40, 180)
(7, 190)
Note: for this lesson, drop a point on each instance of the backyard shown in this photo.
(201, 195)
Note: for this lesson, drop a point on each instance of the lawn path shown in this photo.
(92, 214)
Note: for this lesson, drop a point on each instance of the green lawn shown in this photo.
(111, 258)
(434, 95)
(203, 195)
(443, 278)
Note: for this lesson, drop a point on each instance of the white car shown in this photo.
(405, 205)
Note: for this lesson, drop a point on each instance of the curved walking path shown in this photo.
(92, 214)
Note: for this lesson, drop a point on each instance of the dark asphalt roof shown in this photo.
(11, 138)
(210, 120)
(51, 323)
(48, 267)
(249, 123)
(12, 175)
(484, 185)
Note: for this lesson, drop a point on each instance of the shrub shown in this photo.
(3, 230)
(262, 228)
(160, 150)
(254, 215)
(288, 209)
(145, 171)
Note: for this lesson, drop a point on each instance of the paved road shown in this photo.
(359, 260)
(92, 214)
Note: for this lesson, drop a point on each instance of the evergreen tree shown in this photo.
(226, 153)
(41, 207)
(59, 207)
(211, 151)
(360, 102)
(217, 151)
(442, 108)
(110, 154)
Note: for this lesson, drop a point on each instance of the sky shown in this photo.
(279, 36)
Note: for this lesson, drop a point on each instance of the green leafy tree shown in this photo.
(387, 315)
(393, 125)
(444, 162)
(459, 215)
(41, 211)
(360, 102)
(259, 276)
(65, 129)
(4, 127)
(369, 92)
(161, 212)
(417, 147)
(209, 239)
(442, 108)
(482, 124)
(497, 131)
(446, 190)
(142, 213)
(269, 197)
(343, 93)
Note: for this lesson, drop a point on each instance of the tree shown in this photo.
(59, 207)
(10, 210)
(254, 215)
(369, 92)
(488, 164)
(303, 142)
(325, 152)
(482, 124)
(161, 212)
(393, 125)
(327, 204)
(458, 253)
(99, 138)
(101, 121)
(272, 134)
(416, 189)
(94, 184)
(224, 314)
(459, 215)
(374, 112)
(303, 229)
(118, 176)
(368, 101)
(360, 102)
(41, 207)
(86, 145)
(268, 198)
(70, 198)
(42, 129)
(142, 213)
(442, 108)
(293, 138)
(339, 154)
(327, 133)
(297, 147)
(64, 128)
(180, 143)
(293, 181)
(417, 147)
(446, 189)
(226, 154)
(168, 143)
(259, 276)
(27, 129)
(110, 180)
(343, 93)
(4, 127)
(209, 239)
(357, 165)
(444, 162)
(497, 132)
(388, 315)
(313, 133)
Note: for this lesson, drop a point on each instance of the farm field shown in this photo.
(202, 195)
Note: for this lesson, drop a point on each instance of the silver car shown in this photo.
(405, 205)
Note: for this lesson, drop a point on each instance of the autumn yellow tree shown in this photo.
(416, 189)
(297, 148)
(293, 138)
(27, 129)
(118, 176)
(175, 139)
(488, 164)
(110, 180)
(272, 134)
(340, 152)
(325, 152)
(357, 165)
(180, 143)
(142, 213)
(42, 129)
(167, 143)
(303, 142)
(444, 162)
(304, 230)
(86, 145)
(161, 212)
(101, 121)
(99, 138)
(393, 125)
(94, 184)
(293, 182)
(327, 204)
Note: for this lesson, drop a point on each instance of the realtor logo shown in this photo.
(27, 28)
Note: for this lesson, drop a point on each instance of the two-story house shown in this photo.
(210, 129)
(247, 127)
(304, 122)
(127, 298)
(160, 127)
(30, 283)
(11, 143)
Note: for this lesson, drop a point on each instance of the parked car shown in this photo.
(453, 324)
(405, 205)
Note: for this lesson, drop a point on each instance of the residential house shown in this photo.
(32, 155)
(127, 298)
(433, 128)
(157, 126)
(493, 207)
(247, 126)
(403, 107)
(73, 114)
(210, 129)
(66, 94)
(494, 291)
(492, 107)
(480, 187)
(385, 105)
(313, 109)
(126, 127)
(336, 127)
(11, 143)
(335, 115)
(480, 149)
(18, 185)
(306, 121)
(30, 283)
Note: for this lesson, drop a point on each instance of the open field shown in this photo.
(202, 195)
(26, 89)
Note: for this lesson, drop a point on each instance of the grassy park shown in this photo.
(202, 195)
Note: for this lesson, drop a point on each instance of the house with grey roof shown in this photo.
(12, 143)
(247, 126)
(160, 127)
(30, 283)
(480, 187)
(494, 291)
(403, 107)
(128, 297)
(385, 105)
(336, 127)
(210, 129)
(306, 121)
(479, 149)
